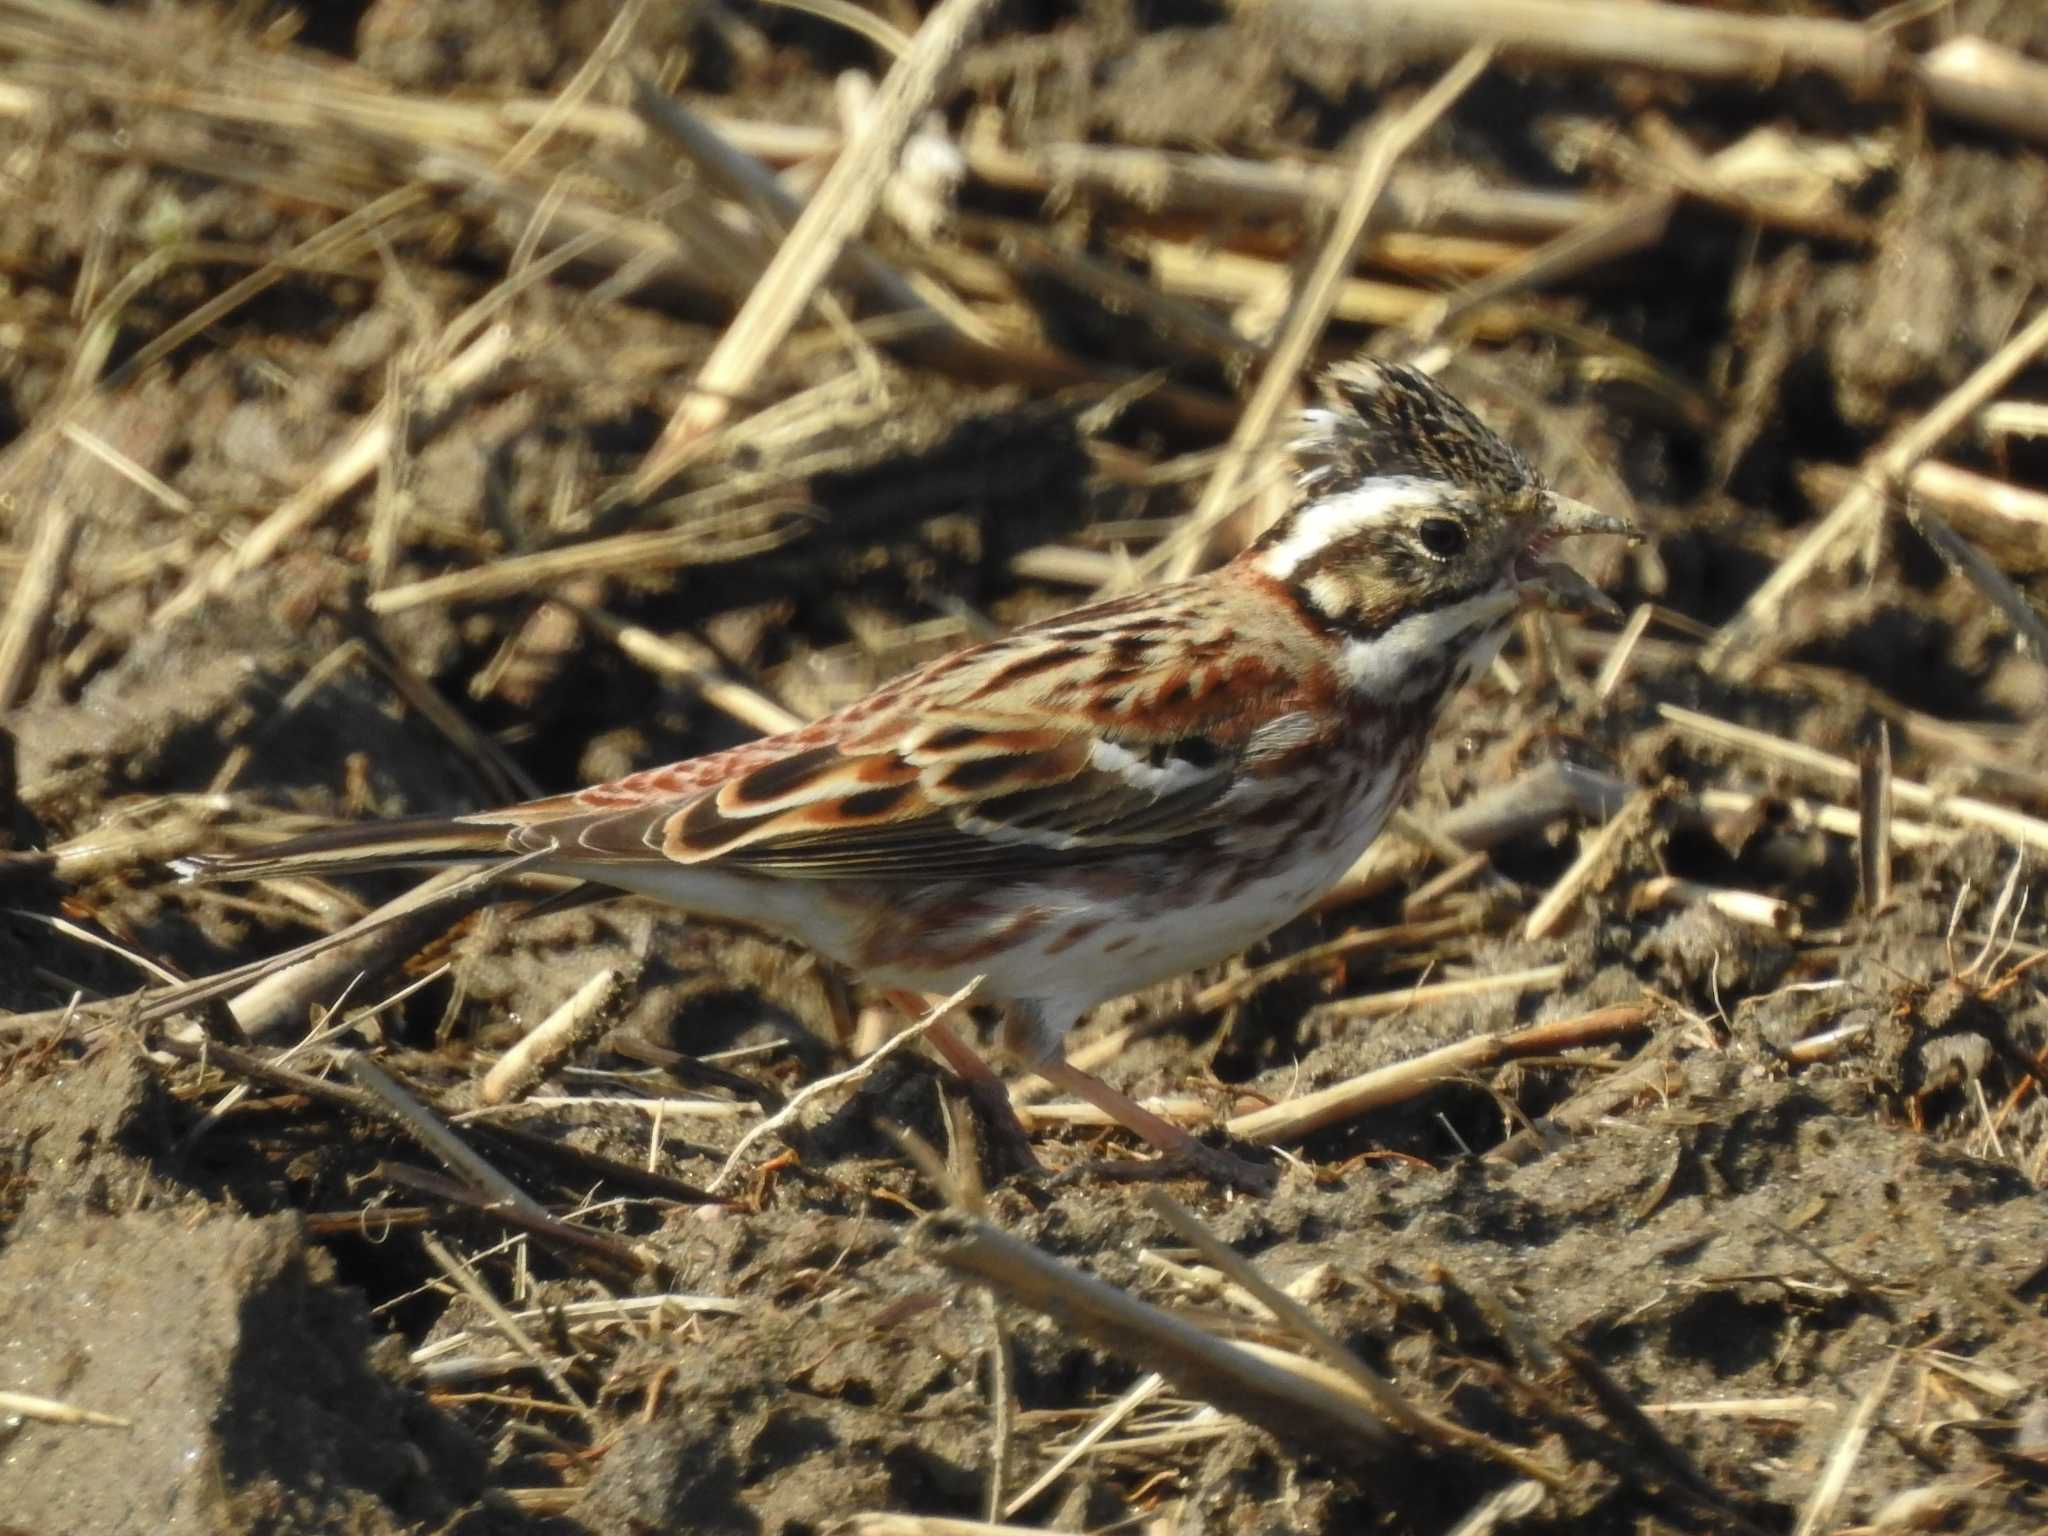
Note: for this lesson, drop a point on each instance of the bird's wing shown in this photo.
(1102, 732)
(946, 797)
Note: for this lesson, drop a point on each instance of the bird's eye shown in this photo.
(1441, 536)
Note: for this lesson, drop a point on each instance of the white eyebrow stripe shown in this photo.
(1322, 523)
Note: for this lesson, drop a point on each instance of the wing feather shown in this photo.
(1122, 726)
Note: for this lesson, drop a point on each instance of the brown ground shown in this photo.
(1838, 1241)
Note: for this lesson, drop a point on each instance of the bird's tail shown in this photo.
(419, 840)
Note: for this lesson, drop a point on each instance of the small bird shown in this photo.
(1103, 799)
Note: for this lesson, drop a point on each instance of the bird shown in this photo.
(1102, 799)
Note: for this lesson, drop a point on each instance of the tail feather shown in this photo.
(428, 840)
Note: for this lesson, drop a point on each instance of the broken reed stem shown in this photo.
(32, 604)
(695, 663)
(431, 1132)
(1295, 1118)
(1385, 144)
(147, 1007)
(1834, 1478)
(472, 1286)
(1146, 1388)
(834, 216)
(1600, 34)
(1291, 1314)
(805, 1097)
(283, 998)
(356, 462)
(1597, 850)
(48, 1410)
(1983, 83)
(1380, 1005)
(1967, 809)
(1864, 500)
(1299, 1400)
(519, 1070)
(1751, 907)
(1874, 820)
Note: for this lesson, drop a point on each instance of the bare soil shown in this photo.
(1789, 1228)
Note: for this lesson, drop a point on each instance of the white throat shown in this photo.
(1448, 645)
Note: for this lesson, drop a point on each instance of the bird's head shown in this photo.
(1416, 533)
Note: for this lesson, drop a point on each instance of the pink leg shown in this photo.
(1182, 1152)
(984, 1086)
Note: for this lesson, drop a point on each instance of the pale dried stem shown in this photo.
(1612, 232)
(472, 1285)
(1966, 809)
(1160, 182)
(1982, 83)
(1834, 1479)
(32, 605)
(1874, 836)
(1385, 143)
(885, 1523)
(844, 203)
(740, 175)
(1596, 853)
(1296, 1118)
(1776, 1408)
(1600, 34)
(1181, 1111)
(1863, 502)
(1143, 1391)
(1622, 652)
(283, 999)
(433, 1133)
(691, 544)
(1751, 907)
(1291, 1314)
(1297, 1399)
(48, 1410)
(548, 1043)
(356, 462)
(452, 885)
(1234, 989)
(1229, 277)
(695, 663)
(1652, 1075)
(792, 1112)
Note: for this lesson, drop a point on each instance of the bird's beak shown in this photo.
(1553, 584)
(1568, 518)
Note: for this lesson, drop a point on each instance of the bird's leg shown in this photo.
(1178, 1146)
(983, 1086)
